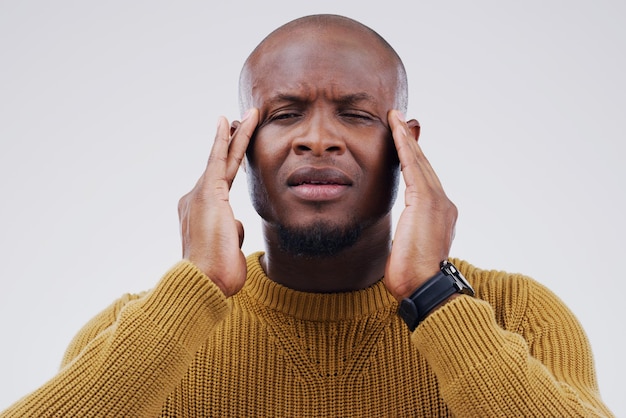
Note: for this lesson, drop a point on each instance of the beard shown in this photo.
(319, 240)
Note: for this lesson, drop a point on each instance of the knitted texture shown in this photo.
(183, 350)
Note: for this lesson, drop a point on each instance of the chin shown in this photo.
(319, 239)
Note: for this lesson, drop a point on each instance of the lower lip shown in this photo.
(319, 192)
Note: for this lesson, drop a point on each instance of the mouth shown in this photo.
(318, 184)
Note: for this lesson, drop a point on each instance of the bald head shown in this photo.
(326, 32)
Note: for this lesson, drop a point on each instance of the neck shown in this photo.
(353, 268)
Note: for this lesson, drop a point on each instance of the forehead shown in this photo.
(335, 62)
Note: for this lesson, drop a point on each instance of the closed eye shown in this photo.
(282, 116)
(356, 116)
(359, 117)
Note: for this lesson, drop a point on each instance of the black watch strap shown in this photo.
(437, 289)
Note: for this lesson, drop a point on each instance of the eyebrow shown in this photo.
(284, 98)
(355, 98)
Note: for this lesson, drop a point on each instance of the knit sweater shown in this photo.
(183, 350)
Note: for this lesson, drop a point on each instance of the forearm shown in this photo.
(131, 367)
(486, 371)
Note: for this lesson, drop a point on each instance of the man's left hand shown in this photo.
(425, 229)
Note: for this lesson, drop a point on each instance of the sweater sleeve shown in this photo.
(526, 357)
(128, 359)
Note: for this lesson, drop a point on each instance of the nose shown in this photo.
(319, 135)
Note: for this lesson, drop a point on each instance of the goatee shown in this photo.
(319, 240)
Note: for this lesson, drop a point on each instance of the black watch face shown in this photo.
(461, 282)
(447, 282)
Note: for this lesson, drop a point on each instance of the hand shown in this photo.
(211, 236)
(425, 228)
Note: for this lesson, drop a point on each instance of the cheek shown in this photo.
(263, 160)
(266, 146)
(259, 190)
(256, 190)
(379, 156)
(383, 174)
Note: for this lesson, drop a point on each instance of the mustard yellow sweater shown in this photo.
(183, 350)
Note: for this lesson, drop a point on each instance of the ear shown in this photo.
(414, 127)
(233, 127)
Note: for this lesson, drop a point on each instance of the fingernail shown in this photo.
(246, 115)
(400, 116)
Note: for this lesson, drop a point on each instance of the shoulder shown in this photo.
(100, 322)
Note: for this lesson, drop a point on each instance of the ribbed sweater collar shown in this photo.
(315, 306)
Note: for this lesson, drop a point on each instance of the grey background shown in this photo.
(108, 111)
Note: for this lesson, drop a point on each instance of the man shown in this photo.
(310, 327)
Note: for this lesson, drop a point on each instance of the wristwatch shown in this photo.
(444, 284)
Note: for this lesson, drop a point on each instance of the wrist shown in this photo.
(434, 293)
(205, 269)
(423, 277)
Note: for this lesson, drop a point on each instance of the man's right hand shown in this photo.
(211, 236)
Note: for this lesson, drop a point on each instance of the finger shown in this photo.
(240, 140)
(216, 165)
(416, 169)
